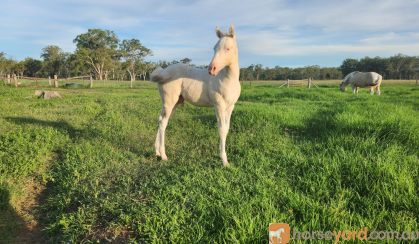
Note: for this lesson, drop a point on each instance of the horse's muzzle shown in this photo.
(212, 70)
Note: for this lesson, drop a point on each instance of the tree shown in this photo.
(75, 65)
(186, 60)
(32, 67)
(53, 60)
(19, 68)
(97, 47)
(258, 70)
(349, 65)
(133, 52)
(145, 68)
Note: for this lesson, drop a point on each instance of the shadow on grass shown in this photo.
(75, 134)
(324, 124)
(59, 125)
(14, 229)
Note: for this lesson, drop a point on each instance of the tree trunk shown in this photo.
(132, 75)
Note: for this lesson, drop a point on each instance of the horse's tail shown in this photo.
(156, 75)
(378, 81)
(171, 72)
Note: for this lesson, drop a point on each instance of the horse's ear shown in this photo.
(219, 32)
(231, 31)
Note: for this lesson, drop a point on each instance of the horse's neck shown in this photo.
(232, 73)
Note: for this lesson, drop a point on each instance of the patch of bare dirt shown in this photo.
(28, 229)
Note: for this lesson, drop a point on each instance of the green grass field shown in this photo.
(318, 159)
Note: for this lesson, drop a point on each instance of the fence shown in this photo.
(13, 80)
(299, 83)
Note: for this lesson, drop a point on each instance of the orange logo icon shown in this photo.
(279, 233)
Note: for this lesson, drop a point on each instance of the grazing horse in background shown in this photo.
(219, 87)
(362, 79)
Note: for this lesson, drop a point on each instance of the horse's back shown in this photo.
(364, 79)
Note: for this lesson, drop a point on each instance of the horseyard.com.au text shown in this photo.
(282, 233)
(361, 235)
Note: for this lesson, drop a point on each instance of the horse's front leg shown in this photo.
(354, 89)
(221, 114)
(228, 116)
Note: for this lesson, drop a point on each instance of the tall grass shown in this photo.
(317, 159)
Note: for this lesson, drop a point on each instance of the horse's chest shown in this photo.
(229, 94)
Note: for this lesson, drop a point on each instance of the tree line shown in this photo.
(101, 54)
(395, 67)
(258, 72)
(98, 52)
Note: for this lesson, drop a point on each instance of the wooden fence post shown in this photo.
(8, 79)
(55, 81)
(49, 80)
(288, 83)
(309, 82)
(15, 79)
(91, 82)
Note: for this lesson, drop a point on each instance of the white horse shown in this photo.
(219, 87)
(362, 79)
(277, 234)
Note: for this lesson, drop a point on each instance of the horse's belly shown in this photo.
(364, 84)
(194, 92)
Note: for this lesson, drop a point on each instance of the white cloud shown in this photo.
(184, 28)
(271, 44)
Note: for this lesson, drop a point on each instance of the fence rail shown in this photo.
(13, 79)
(309, 82)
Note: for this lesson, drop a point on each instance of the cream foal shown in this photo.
(219, 87)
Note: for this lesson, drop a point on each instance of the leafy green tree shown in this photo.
(98, 48)
(349, 65)
(145, 68)
(19, 68)
(32, 67)
(258, 70)
(75, 65)
(133, 54)
(6, 64)
(54, 58)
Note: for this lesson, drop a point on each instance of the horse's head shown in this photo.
(225, 51)
(345, 81)
(342, 86)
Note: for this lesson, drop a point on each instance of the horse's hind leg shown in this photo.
(170, 100)
(378, 91)
(166, 111)
(371, 90)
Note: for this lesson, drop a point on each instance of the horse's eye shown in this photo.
(228, 49)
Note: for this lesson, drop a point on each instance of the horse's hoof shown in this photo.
(226, 164)
(164, 158)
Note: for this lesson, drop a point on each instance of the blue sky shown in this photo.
(285, 33)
